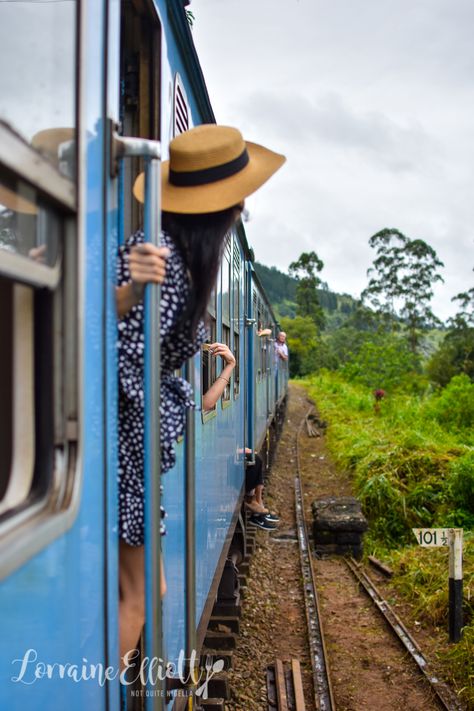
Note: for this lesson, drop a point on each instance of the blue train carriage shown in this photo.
(65, 205)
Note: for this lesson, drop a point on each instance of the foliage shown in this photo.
(402, 275)
(464, 319)
(455, 355)
(384, 360)
(281, 290)
(304, 270)
(278, 286)
(301, 335)
(453, 407)
(407, 467)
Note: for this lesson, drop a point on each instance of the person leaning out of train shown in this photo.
(281, 349)
(210, 172)
(218, 387)
(260, 516)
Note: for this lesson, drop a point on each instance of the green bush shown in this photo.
(453, 408)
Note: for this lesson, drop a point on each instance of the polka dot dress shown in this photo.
(176, 393)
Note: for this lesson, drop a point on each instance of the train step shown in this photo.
(219, 622)
(224, 609)
(220, 640)
(212, 705)
(218, 687)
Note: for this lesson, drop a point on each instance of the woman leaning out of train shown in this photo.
(210, 172)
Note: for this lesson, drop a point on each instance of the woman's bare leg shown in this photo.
(132, 595)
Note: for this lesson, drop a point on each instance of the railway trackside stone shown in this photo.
(338, 526)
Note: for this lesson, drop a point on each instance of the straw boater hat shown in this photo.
(211, 168)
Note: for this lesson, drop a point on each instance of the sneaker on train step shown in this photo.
(272, 517)
(262, 522)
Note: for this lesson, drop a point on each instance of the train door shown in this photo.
(133, 112)
(51, 376)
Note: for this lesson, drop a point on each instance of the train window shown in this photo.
(226, 301)
(208, 362)
(45, 60)
(236, 315)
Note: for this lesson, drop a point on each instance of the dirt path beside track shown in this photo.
(369, 670)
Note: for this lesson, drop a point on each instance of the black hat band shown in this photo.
(209, 175)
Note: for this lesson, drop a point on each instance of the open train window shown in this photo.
(39, 263)
(140, 96)
(261, 339)
(264, 350)
(226, 305)
(208, 362)
(237, 266)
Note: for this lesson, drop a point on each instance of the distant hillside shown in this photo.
(281, 289)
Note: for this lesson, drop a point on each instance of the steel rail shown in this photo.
(445, 697)
(323, 696)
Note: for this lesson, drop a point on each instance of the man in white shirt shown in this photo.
(281, 349)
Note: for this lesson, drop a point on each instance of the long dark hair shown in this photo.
(200, 240)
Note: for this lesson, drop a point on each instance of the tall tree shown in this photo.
(456, 353)
(304, 270)
(464, 318)
(401, 282)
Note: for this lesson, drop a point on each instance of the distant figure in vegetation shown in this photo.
(378, 395)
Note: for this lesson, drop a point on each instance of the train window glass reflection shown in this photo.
(38, 44)
(28, 228)
(226, 282)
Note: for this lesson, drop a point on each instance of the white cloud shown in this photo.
(372, 103)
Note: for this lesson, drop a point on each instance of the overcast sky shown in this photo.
(372, 102)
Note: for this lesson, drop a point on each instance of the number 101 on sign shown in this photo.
(432, 536)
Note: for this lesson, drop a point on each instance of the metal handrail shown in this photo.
(126, 147)
(190, 533)
(153, 611)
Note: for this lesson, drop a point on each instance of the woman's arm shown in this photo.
(147, 264)
(210, 397)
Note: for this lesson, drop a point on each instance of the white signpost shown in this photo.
(451, 537)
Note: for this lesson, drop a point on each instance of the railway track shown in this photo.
(323, 693)
(444, 696)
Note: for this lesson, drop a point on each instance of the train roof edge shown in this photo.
(180, 24)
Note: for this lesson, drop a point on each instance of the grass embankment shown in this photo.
(412, 465)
